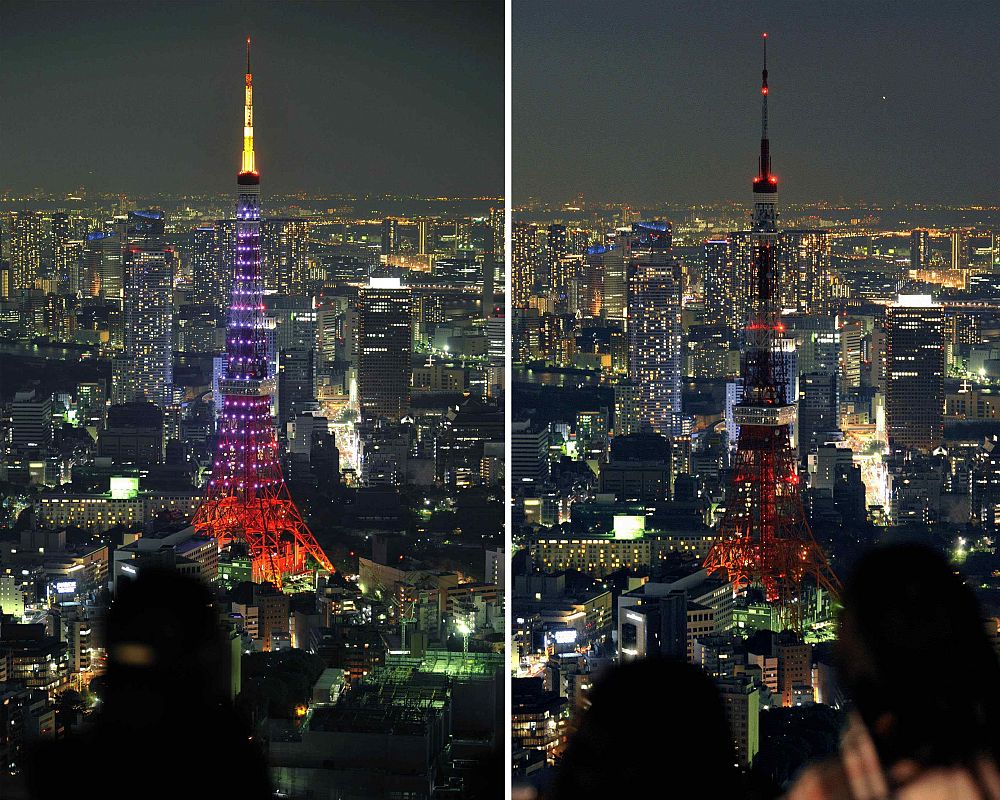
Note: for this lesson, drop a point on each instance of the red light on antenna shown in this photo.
(764, 35)
(763, 90)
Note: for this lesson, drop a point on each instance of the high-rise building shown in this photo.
(285, 255)
(914, 403)
(529, 454)
(295, 384)
(390, 236)
(385, 347)
(207, 270)
(31, 420)
(920, 248)
(805, 269)
(63, 263)
(148, 309)
(423, 236)
(26, 235)
(525, 263)
(959, 248)
(654, 328)
(555, 251)
(102, 266)
(719, 278)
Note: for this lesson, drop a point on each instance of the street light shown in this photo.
(464, 630)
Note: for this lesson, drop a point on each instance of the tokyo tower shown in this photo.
(246, 499)
(764, 540)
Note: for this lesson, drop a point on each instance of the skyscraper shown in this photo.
(525, 263)
(914, 402)
(390, 236)
(207, 270)
(718, 278)
(295, 384)
(148, 308)
(102, 266)
(654, 328)
(63, 262)
(555, 251)
(246, 500)
(385, 346)
(920, 248)
(285, 255)
(25, 249)
(959, 248)
(805, 269)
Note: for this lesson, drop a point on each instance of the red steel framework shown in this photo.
(246, 499)
(764, 540)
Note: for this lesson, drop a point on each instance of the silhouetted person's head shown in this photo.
(164, 698)
(915, 658)
(650, 721)
(164, 635)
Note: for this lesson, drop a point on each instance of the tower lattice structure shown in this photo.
(246, 499)
(764, 538)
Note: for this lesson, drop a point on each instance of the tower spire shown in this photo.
(248, 166)
(765, 181)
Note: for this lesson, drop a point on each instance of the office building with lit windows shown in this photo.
(148, 307)
(385, 347)
(915, 364)
(654, 329)
(25, 248)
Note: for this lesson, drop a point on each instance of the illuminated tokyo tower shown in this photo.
(246, 499)
(764, 540)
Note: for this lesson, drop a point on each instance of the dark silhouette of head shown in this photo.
(650, 722)
(165, 696)
(915, 658)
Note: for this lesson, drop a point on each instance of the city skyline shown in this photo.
(343, 82)
(656, 104)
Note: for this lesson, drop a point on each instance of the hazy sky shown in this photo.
(658, 101)
(358, 97)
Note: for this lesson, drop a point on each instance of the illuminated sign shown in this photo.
(65, 587)
(128, 569)
(124, 488)
(565, 637)
(628, 526)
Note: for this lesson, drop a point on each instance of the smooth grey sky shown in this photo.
(403, 97)
(640, 101)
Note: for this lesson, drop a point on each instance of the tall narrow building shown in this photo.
(385, 348)
(525, 263)
(654, 328)
(914, 402)
(26, 234)
(247, 503)
(148, 308)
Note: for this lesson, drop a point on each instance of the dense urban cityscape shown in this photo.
(294, 401)
(713, 420)
(566, 399)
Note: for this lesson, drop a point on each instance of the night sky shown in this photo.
(348, 97)
(658, 101)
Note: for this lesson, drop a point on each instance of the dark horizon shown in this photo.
(646, 102)
(353, 98)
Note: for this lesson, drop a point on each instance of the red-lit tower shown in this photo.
(764, 538)
(246, 499)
